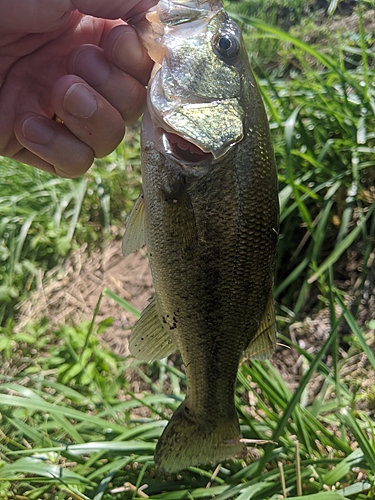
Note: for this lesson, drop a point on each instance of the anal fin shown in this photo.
(135, 237)
(262, 345)
(150, 339)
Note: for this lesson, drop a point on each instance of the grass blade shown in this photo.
(340, 249)
(122, 302)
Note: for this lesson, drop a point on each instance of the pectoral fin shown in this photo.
(150, 339)
(135, 236)
(263, 344)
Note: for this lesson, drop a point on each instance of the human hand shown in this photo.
(88, 71)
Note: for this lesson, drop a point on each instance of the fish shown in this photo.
(209, 217)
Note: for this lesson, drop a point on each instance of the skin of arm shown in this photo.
(75, 59)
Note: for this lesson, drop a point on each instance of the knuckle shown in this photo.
(77, 164)
(110, 144)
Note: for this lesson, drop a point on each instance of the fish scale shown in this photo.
(211, 229)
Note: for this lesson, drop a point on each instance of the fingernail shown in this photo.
(37, 130)
(79, 101)
(127, 50)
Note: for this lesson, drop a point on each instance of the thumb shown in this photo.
(33, 16)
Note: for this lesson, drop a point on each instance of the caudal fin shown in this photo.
(188, 441)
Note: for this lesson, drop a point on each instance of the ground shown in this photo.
(71, 293)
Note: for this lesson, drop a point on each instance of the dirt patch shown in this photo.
(71, 293)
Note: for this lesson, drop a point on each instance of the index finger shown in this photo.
(33, 16)
(123, 47)
(115, 9)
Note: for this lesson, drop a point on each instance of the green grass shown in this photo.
(68, 437)
(322, 124)
(71, 424)
(43, 217)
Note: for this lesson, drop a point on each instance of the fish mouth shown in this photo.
(182, 149)
(170, 143)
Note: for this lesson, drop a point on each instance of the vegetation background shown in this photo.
(79, 420)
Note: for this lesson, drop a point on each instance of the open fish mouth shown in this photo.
(182, 149)
(170, 143)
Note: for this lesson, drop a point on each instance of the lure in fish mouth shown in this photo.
(209, 217)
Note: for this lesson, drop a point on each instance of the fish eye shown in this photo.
(226, 46)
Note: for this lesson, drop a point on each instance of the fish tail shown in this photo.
(189, 440)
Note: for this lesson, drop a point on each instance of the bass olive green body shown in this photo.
(211, 231)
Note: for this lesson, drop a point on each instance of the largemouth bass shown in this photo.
(209, 216)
